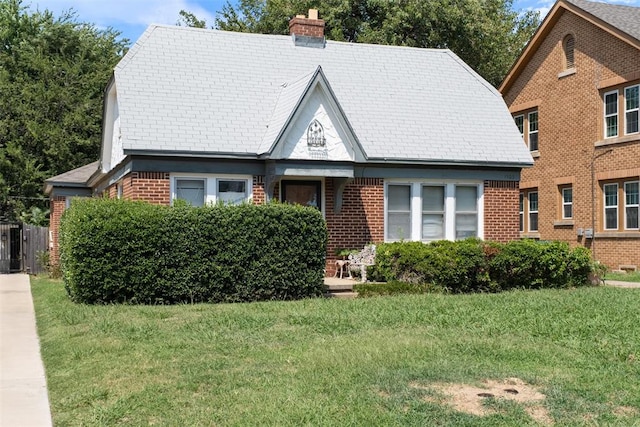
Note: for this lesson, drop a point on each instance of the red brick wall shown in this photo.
(571, 122)
(153, 187)
(501, 216)
(258, 190)
(57, 206)
(361, 220)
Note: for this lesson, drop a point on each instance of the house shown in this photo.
(387, 142)
(574, 95)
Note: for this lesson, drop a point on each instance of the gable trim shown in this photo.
(318, 79)
(545, 28)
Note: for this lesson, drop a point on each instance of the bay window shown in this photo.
(425, 211)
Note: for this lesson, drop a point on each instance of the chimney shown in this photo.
(311, 27)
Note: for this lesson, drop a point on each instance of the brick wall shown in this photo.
(153, 187)
(361, 220)
(57, 206)
(501, 216)
(258, 190)
(571, 122)
(301, 26)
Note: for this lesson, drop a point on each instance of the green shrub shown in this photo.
(123, 251)
(475, 266)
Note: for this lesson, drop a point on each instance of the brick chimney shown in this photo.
(307, 27)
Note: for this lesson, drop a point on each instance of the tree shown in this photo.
(487, 34)
(53, 72)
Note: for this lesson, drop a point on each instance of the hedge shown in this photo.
(473, 265)
(135, 252)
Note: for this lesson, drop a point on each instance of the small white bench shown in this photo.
(362, 259)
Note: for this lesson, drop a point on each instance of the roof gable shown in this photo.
(309, 107)
(622, 22)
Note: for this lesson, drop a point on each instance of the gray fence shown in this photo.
(21, 247)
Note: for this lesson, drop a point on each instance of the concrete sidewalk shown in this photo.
(23, 389)
(620, 284)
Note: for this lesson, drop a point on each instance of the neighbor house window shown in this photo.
(567, 203)
(632, 105)
(621, 111)
(568, 45)
(119, 190)
(611, 114)
(532, 197)
(205, 189)
(527, 124)
(425, 211)
(610, 206)
(631, 205)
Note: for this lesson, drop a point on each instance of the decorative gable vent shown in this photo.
(569, 44)
(315, 135)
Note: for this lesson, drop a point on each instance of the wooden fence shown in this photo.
(22, 247)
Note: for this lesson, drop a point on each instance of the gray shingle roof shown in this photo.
(193, 91)
(78, 176)
(625, 18)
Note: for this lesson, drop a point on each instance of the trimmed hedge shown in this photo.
(135, 252)
(475, 266)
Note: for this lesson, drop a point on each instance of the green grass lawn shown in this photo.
(377, 361)
(625, 277)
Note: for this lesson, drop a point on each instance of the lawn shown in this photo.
(625, 277)
(572, 357)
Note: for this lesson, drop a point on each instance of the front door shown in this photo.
(305, 193)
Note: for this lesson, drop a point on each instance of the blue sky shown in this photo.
(131, 17)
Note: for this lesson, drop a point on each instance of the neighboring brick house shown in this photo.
(574, 94)
(388, 142)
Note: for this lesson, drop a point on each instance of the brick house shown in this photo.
(388, 142)
(574, 94)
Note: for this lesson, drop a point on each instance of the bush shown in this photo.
(475, 266)
(123, 251)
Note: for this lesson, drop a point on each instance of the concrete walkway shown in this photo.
(23, 389)
(619, 284)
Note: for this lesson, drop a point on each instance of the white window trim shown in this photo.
(631, 110)
(530, 211)
(605, 206)
(626, 205)
(617, 113)
(521, 201)
(211, 184)
(449, 201)
(565, 203)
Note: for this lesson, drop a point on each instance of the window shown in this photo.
(632, 104)
(631, 205)
(527, 124)
(611, 114)
(398, 212)
(611, 206)
(119, 190)
(521, 211)
(204, 189)
(191, 191)
(532, 196)
(528, 210)
(567, 203)
(424, 211)
(627, 100)
(568, 47)
(433, 225)
(466, 211)
(305, 193)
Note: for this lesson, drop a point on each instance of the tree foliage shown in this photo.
(53, 71)
(487, 34)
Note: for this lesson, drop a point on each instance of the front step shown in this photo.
(339, 288)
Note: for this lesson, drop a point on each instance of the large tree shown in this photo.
(487, 34)
(53, 71)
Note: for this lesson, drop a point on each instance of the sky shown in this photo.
(131, 17)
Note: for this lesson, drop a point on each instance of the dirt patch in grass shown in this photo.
(472, 399)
